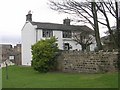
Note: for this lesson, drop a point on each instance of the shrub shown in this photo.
(44, 54)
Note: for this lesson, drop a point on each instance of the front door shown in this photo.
(66, 46)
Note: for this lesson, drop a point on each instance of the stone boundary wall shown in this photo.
(90, 62)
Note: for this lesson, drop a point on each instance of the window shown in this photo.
(67, 34)
(11, 57)
(47, 33)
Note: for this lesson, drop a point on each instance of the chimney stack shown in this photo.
(66, 21)
(29, 16)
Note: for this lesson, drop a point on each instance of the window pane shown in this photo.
(47, 33)
(67, 34)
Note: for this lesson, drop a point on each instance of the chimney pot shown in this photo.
(66, 21)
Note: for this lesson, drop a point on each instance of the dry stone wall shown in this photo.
(90, 62)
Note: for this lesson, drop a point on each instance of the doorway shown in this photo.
(66, 46)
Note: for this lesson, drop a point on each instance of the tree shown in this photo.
(118, 23)
(106, 39)
(96, 26)
(111, 7)
(84, 39)
(44, 54)
(102, 6)
(85, 11)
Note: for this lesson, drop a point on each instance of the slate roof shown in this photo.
(54, 26)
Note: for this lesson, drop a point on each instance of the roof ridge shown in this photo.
(33, 22)
(56, 26)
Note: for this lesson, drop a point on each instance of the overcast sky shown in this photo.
(13, 17)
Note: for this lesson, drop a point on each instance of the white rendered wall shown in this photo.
(28, 39)
(92, 46)
(61, 41)
(58, 35)
(39, 34)
(73, 44)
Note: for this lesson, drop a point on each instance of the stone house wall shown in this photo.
(90, 62)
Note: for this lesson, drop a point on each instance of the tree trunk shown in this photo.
(96, 26)
(103, 11)
(83, 47)
(112, 38)
(117, 25)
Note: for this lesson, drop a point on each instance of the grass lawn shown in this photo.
(26, 77)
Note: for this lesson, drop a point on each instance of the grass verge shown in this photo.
(26, 77)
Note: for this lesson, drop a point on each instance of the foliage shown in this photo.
(44, 53)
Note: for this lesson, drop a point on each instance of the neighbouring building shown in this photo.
(5, 49)
(10, 53)
(35, 31)
(17, 54)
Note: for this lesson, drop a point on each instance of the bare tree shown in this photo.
(104, 7)
(83, 11)
(96, 26)
(84, 39)
(87, 13)
(117, 23)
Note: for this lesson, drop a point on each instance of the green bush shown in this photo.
(44, 53)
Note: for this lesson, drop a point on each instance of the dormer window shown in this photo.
(47, 33)
(67, 34)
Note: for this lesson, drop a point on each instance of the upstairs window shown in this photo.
(47, 33)
(67, 34)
